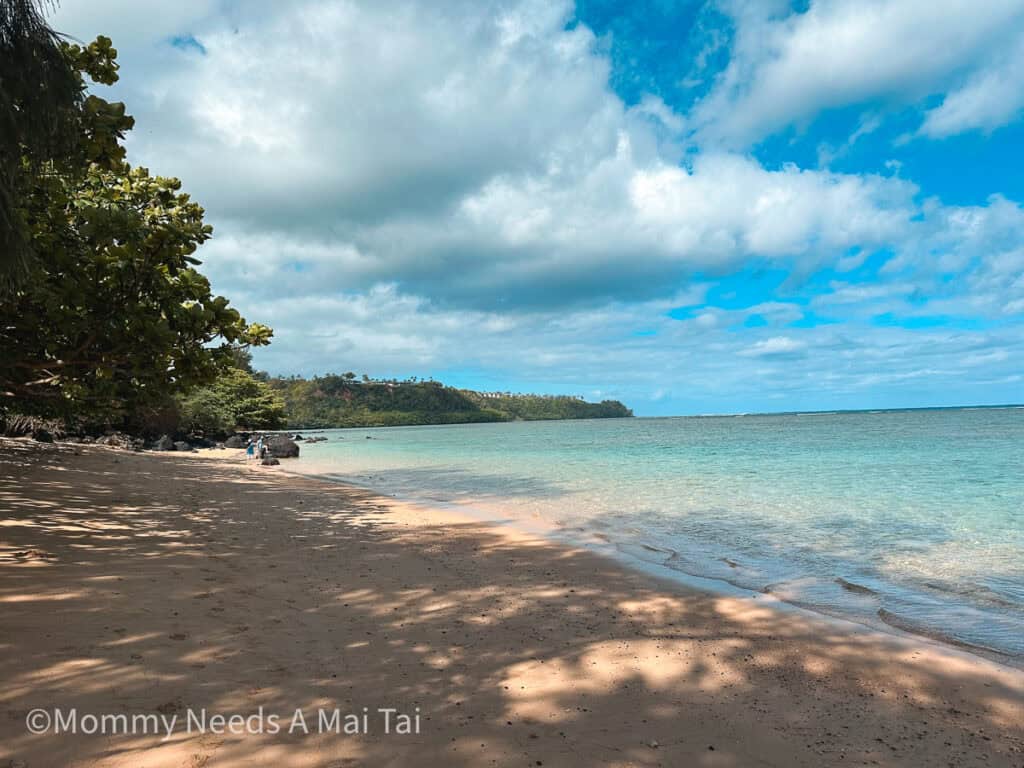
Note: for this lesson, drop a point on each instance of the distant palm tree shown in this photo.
(39, 97)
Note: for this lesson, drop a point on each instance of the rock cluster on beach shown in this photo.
(279, 446)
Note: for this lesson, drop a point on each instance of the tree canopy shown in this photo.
(113, 314)
(236, 400)
(46, 116)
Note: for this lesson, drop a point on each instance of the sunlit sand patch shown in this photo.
(44, 597)
(750, 612)
(130, 639)
(537, 688)
(20, 523)
(87, 675)
(818, 665)
(654, 608)
(206, 655)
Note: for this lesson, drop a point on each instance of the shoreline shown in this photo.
(673, 580)
(890, 625)
(240, 586)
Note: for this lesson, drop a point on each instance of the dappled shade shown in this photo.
(174, 582)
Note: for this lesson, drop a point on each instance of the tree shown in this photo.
(235, 400)
(115, 316)
(42, 101)
(241, 358)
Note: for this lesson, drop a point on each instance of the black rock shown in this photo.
(298, 437)
(282, 447)
(270, 461)
(42, 436)
(235, 441)
(181, 445)
(165, 443)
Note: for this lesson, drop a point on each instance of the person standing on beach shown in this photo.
(260, 448)
(250, 450)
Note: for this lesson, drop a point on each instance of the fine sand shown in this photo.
(159, 584)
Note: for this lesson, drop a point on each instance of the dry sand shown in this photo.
(158, 584)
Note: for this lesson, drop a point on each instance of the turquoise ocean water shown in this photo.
(912, 519)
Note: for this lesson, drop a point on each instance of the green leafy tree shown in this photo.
(236, 400)
(48, 121)
(114, 316)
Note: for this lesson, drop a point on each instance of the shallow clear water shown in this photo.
(909, 518)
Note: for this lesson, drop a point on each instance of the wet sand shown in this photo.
(166, 584)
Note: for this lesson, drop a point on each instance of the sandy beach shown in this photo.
(169, 584)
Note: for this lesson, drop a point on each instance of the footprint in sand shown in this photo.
(179, 636)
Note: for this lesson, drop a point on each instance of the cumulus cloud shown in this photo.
(786, 67)
(471, 153)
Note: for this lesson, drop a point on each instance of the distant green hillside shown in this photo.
(345, 401)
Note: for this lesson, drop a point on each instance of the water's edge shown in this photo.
(662, 564)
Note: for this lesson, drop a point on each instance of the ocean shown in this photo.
(906, 519)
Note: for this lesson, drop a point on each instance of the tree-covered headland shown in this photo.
(348, 401)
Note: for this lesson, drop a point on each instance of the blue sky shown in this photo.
(691, 206)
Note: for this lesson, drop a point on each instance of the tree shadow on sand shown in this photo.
(175, 583)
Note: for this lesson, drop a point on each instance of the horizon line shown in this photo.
(826, 411)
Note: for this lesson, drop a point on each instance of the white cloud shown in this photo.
(475, 154)
(952, 239)
(786, 68)
(471, 153)
(776, 346)
(131, 25)
(991, 97)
